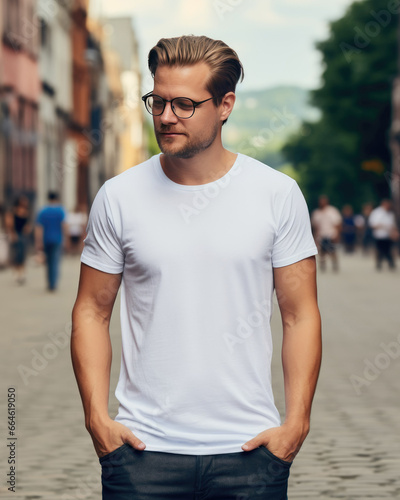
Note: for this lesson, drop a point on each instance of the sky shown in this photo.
(275, 39)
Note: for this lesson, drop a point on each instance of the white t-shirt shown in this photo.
(385, 220)
(196, 298)
(326, 222)
(76, 223)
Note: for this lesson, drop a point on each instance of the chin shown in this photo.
(177, 154)
(169, 150)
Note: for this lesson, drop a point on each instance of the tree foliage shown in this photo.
(346, 153)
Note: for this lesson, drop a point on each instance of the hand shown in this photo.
(284, 441)
(110, 435)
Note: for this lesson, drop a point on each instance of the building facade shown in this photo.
(2, 121)
(121, 39)
(394, 177)
(56, 169)
(81, 148)
(70, 110)
(19, 99)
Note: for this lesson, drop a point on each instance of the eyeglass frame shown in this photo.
(195, 103)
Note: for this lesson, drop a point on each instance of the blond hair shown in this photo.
(226, 68)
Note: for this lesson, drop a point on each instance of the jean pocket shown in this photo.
(265, 450)
(114, 454)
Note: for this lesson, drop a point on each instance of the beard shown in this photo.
(191, 148)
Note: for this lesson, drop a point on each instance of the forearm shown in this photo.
(65, 231)
(91, 358)
(301, 356)
(301, 359)
(38, 237)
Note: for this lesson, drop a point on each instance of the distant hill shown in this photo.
(262, 120)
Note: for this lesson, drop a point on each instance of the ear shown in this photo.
(226, 105)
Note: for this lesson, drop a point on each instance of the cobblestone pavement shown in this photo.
(353, 450)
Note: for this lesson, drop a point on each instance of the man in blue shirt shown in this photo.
(49, 235)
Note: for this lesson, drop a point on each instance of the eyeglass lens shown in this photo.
(182, 107)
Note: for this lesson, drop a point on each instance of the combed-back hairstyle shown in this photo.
(226, 68)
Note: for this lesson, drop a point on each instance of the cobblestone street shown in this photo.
(352, 452)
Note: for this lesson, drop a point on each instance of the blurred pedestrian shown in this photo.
(4, 245)
(349, 229)
(77, 221)
(19, 227)
(50, 233)
(367, 238)
(326, 223)
(384, 229)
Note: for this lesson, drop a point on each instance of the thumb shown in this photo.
(134, 441)
(253, 443)
(261, 439)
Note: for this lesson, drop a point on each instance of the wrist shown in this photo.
(97, 420)
(300, 426)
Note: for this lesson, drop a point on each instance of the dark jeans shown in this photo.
(384, 252)
(18, 250)
(129, 474)
(327, 246)
(53, 256)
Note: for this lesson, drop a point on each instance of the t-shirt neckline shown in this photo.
(193, 187)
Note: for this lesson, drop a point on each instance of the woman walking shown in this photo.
(18, 228)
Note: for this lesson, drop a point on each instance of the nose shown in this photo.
(168, 116)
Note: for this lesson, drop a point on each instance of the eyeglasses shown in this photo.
(182, 107)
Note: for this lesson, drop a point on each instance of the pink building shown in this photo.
(19, 96)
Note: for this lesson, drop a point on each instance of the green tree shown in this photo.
(152, 146)
(346, 153)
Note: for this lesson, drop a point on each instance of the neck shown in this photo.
(207, 166)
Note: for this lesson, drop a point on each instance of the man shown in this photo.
(326, 223)
(77, 221)
(198, 237)
(50, 231)
(384, 229)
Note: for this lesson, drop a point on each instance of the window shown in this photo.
(44, 33)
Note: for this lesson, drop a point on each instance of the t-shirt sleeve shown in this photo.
(102, 249)
(294, 240)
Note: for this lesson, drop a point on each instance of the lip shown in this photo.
(170, 133)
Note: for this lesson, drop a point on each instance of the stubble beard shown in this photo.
(190, 149)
